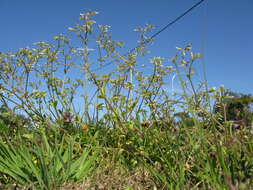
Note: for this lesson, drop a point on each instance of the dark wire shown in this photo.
(156, 34)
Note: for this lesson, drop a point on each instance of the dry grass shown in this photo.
(117, 178)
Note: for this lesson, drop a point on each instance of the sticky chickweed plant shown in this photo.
(77, 113)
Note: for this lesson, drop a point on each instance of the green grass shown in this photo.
(40, 164)
(170, 158)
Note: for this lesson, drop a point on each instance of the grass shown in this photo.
(40, 164)
(170, 158)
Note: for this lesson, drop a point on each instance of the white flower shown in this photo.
(86, 49)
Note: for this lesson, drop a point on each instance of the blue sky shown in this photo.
(220, 29)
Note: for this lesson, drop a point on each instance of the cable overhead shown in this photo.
(155, 34)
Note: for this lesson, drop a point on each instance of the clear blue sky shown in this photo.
(224, 28)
